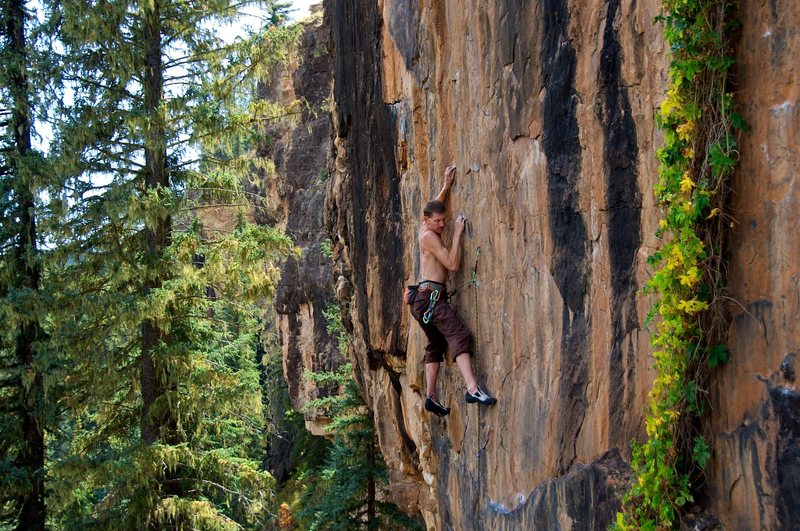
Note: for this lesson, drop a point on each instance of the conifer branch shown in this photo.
(210, 484)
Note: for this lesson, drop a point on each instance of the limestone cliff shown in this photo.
(547, 107)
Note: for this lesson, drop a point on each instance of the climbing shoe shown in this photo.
(480, 397)
(435, 407)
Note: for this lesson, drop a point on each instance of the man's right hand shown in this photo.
(461, 221)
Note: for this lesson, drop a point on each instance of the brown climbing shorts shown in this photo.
(445, 328)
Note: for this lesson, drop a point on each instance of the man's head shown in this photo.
(435, 218)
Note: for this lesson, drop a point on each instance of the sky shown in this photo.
(253, 17)
(302, 8)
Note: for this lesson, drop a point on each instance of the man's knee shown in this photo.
(462, 345)
(434, 357)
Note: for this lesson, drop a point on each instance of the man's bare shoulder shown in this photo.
(429, 237)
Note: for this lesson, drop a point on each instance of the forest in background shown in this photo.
(140, 385)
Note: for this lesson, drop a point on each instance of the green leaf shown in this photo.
(718, 355)
(701, 452)
(739, 122)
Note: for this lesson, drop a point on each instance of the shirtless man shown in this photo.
(429, 305)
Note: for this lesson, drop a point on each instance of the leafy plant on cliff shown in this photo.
(696, 161)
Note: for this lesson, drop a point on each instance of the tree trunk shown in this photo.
(371, 483)
(156, 237)
(31, 455)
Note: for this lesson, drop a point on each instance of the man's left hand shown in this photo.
(449, 175)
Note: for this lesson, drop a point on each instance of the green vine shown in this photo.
(696, 161)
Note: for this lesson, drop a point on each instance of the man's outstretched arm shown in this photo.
(449, 177)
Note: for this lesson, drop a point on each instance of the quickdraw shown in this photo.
(428, 315)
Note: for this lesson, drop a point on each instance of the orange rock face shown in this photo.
(755, 477)
(547, 108)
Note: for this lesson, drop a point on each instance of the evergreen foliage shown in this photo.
(346, 490)
(151, 310)
(26, 390)
(164, 386)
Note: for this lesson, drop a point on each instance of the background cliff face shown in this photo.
(294, 197)
(547, 109)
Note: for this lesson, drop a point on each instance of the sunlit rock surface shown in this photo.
(294, 197)
(547, 108)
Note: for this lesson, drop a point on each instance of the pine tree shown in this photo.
(25, 408)
(154, 306)
(346, 491)
(345, 497)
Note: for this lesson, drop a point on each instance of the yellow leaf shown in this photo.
(686, 183)
(685, 130)
(692, 306)
(691, 277)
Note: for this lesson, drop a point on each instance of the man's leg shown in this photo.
(434, 354)
(431, 373)
(474, 393)
(464, 361)
(460, 340)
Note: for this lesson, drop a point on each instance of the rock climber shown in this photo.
(429, 305)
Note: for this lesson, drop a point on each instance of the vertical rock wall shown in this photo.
(754, 478)
(547, 108)
(294, 196)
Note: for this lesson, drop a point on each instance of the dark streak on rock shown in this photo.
(517, 25)
(786, 405)
(368, 213)
(367, 125)
(442, 448)
(468, 511)
(570, 261)
(403, 26)
(408, 441)
(624, 205)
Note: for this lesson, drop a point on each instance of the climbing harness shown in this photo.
(436, 290)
